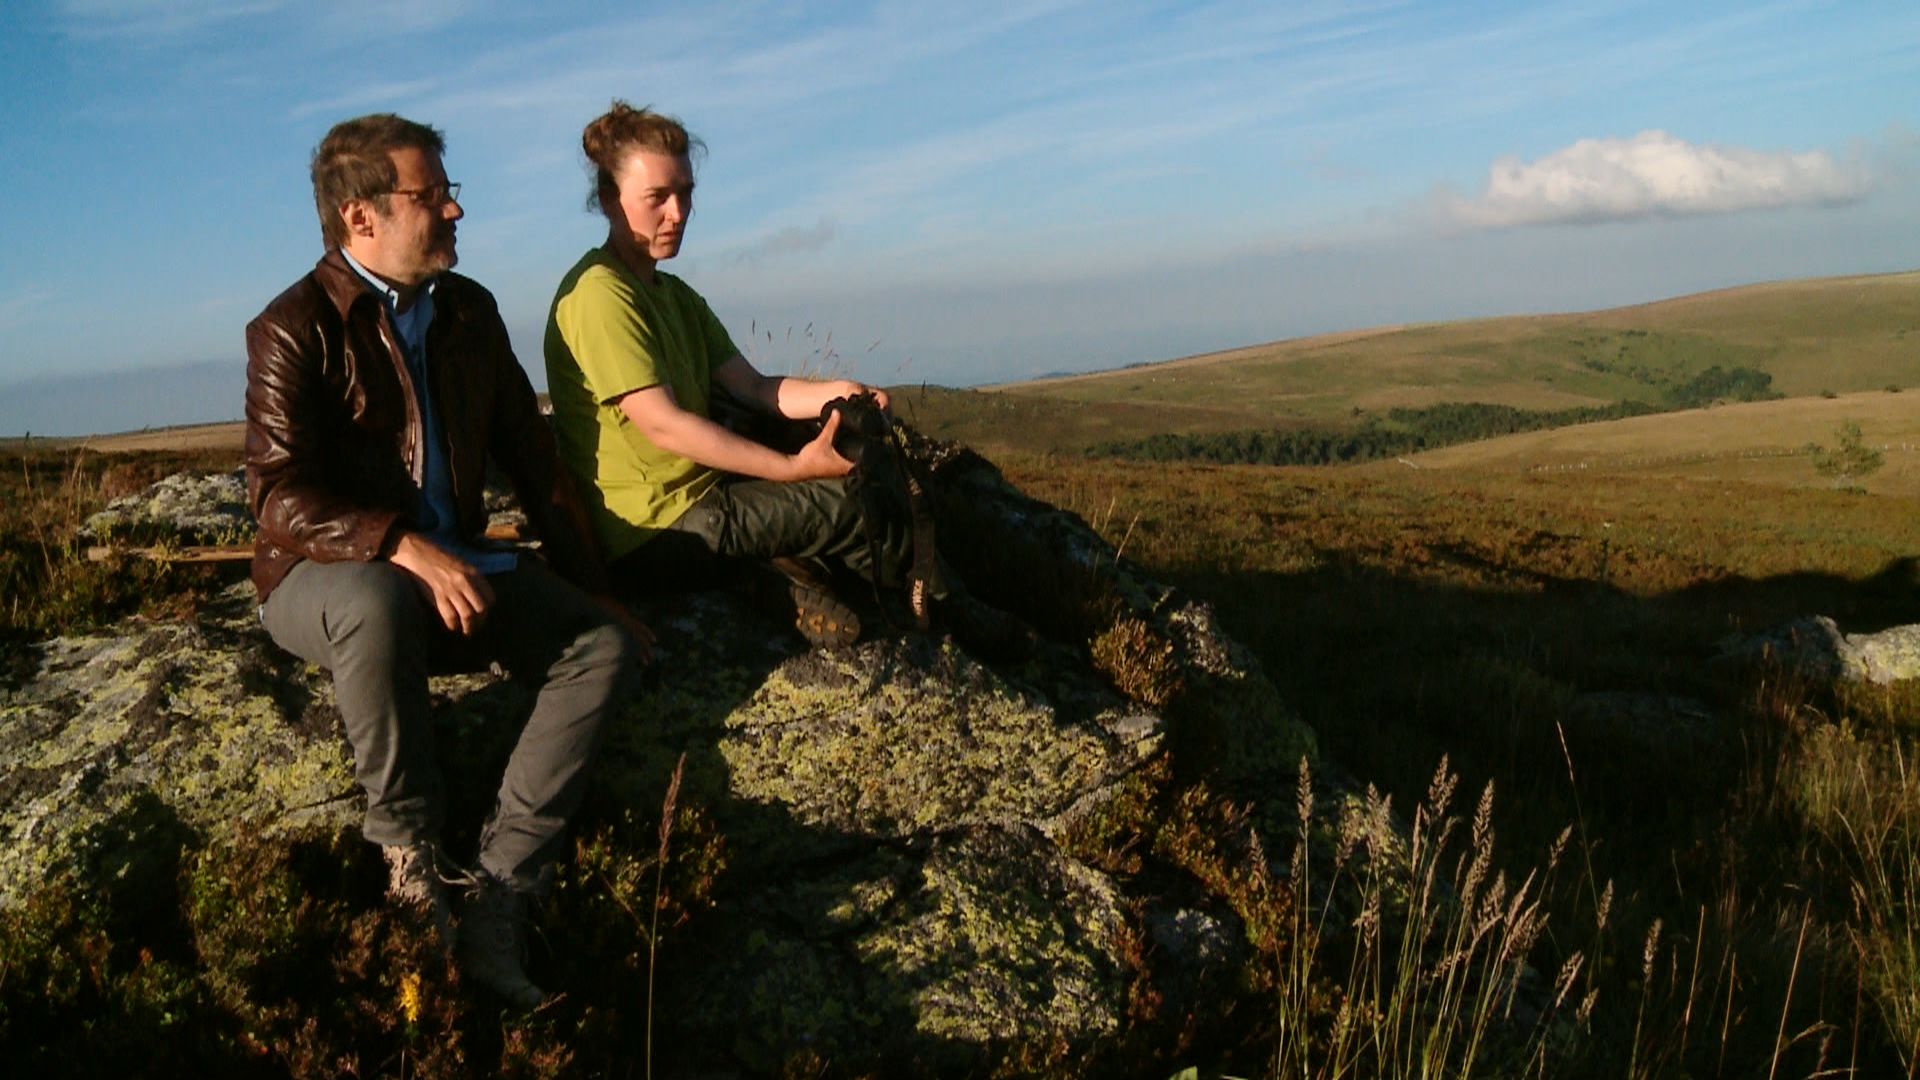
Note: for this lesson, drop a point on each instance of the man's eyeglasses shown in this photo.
(437, 195)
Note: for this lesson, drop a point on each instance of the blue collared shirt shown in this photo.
(435, 510)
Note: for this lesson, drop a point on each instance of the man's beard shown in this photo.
(443, 255)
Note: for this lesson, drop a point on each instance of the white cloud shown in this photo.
(1652, 174)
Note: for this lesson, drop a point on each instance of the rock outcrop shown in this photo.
(898, 882)
(1818, 649)
(182, 509)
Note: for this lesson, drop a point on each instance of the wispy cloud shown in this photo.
(363, 97)
(357, 16)
(895, 38)
(793, 240)
(153, 19)
(1023, 146)
(1652, 174)
(23, 308)
(758, 55)
(152, 24)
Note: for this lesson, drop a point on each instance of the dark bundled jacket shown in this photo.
(335, 446)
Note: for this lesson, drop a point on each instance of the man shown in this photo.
(635, 360)
(378, 387)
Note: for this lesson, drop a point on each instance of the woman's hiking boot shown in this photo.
(820, 616)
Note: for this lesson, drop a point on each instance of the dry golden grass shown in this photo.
(186, 439)
(1482, 614)
(1759, 442)
(191, 439)
(1831, 333)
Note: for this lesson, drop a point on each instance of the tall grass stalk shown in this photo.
(621, 872)
(1786, 1004)
(1437, 981)
(54, 516)
(1580, 820)
(667, 807)
(1861, 797)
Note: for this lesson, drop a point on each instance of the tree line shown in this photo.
(1405, 431)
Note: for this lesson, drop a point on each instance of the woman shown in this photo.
(634, 356)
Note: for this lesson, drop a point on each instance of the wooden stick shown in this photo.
(218, 553)
(204, 554)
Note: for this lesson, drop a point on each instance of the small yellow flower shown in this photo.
(410, 996)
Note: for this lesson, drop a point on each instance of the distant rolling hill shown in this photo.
(1760, 442)
(1853, 338)
(1829, 335)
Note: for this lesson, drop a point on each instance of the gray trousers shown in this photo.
(368, 624)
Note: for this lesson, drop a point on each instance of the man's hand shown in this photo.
(641, 634)
(456, 590)
(818, 459)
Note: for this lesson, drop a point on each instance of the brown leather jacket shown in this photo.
(334, 439)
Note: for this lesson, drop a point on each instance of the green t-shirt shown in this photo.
(609, 334)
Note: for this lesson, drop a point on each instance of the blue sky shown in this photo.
(957, 196)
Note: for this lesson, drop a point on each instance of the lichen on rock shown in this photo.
(185, 508)
(901, 885)
(1004, 936)
(163, 710)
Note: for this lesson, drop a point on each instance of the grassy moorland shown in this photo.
(1763, 442)
(1541, 612)
(1836, 335)
(1726, 859)
(47, 585)
(1739, 894)
(1552, 635)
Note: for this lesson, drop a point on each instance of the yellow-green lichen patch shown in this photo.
(795, 995)
(854, 896)
(1004, 941)
(930, 748)
(63, 734)
(671, 716)
(770, 992)
(1228, 712)
(1139, 730)
(231, 754)
(160, 715)
(977, 950)
(860, 904)
(1252, 735)
(89, 689)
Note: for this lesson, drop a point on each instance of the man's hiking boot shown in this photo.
(820, 616)
(417, 877)
(493, 941)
